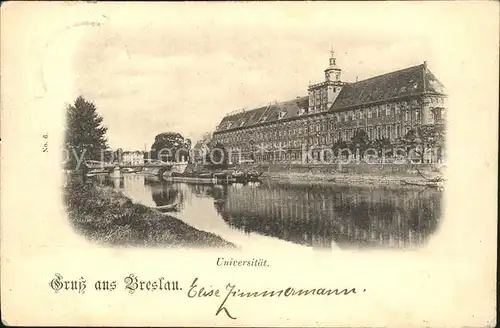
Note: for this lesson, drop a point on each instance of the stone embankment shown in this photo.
(348, 173)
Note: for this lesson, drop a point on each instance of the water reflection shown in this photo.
(312, 215)
(348, 216)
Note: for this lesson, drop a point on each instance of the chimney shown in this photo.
(425, 64)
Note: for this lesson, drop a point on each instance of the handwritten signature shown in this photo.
(197, 291)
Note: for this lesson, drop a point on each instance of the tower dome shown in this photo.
(332, 72)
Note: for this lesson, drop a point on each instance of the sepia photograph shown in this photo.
(195, 163)
(355, 160)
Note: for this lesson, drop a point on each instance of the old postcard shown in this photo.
(249, 164)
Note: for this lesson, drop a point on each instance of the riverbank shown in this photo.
(346, 179)
(352, 180)
(351, 174)
(106, 216)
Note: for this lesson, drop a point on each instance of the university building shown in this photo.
(384, 106)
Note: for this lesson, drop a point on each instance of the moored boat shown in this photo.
(221, 175)
(130, 170)
(239, 176)
(167, 208)
(254, 175)
(432, 184)
(197, 180)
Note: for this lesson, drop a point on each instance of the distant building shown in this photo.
(201, 149)
(133, 157)
(385, 106)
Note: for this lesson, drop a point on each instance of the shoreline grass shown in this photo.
(106, 216)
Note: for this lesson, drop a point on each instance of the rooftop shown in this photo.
(402, 83)
(269, 113)
(397, 84)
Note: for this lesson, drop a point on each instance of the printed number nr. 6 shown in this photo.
(45, 146)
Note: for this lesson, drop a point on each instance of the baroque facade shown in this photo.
(385, 107)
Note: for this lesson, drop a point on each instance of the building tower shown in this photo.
(322, 95)
(332, 73)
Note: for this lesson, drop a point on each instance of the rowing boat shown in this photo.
(167, 208)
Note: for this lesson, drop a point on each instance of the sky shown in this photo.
(153, 68)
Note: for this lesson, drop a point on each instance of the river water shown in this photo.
(321, 216)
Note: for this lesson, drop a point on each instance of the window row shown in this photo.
(373, 133)
(323, 126)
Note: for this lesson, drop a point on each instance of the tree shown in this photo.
(433, 138)
(217, 156)
(206, 137)
(423, 139)
(118, 155)
(339, 148)
(85, 135)
(360, 141)
(432, 135)
(170, 147)
(383, 147)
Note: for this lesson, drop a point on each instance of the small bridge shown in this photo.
(106, 165)
(154, 167)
